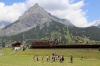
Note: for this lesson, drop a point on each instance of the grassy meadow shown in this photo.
(25, 58)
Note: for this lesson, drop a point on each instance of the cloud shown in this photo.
(11, 13)
(61, 8)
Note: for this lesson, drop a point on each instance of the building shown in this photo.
(16, 45)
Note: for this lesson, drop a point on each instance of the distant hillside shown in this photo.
(92, 32)
(55, 30)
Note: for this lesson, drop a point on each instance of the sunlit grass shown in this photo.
(24, 58)
(27, 60)
(89, 53)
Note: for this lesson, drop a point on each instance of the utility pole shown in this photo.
(24, 39)
(36, 34)
(0, 48)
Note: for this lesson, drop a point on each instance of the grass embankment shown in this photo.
(24, 58)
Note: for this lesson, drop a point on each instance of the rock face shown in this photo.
(31, 18)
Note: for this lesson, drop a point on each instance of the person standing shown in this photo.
(42, 59)
(47, 58)
(71, 58)
(37, 58)
(34, 57)
(52, 58)
(82, 57)
(62, 58)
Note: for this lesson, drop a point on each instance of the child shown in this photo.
(34, 57)
(42, 59)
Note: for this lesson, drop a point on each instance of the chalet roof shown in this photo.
(16, 43)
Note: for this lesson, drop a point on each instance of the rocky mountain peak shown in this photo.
(36, 5)
(35, 10)
(31, 18)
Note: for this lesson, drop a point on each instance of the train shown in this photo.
(56, 44)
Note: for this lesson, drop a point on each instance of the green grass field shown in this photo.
(24, 58)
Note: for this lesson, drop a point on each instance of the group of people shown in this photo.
(35, 57)
(56, 57)
(47, 58)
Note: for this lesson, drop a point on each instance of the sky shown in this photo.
(81, 13)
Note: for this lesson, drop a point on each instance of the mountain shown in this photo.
(97, 24)
(31, 18)
(56, 30)
(3, 24)
(48, 31)
(38, 24)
